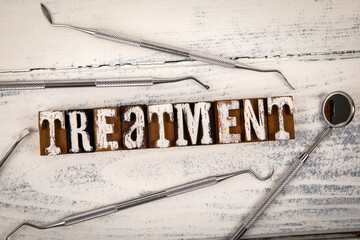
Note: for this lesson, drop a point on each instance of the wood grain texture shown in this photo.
(318, 47)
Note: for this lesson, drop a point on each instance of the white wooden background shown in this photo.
(316, 44)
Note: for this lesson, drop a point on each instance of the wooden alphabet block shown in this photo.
(107, 129)
(161, 126)
(194, 123)
(133, 127)
(227, 121)
(52, 133)
(280, 118)
(80, 131)
(255, 120)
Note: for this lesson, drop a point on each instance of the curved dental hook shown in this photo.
(265, 71)
(170, 192)
(23, 134)
(134, 41)
(168, 80)
(26, 224)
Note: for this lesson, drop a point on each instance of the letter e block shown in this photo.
(227, 121)
(107, 129)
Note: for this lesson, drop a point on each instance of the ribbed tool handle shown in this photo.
(274, 192)
(212, 59)
(117, 37)
(90, 215)
(191, 186)
(21, 85)
(124, 82)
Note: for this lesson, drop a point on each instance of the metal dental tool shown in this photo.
(134, 41)
(170, 192)
(101, 82)
(23, 134)
(338, 110)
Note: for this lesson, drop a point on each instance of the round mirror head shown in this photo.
(338, 109)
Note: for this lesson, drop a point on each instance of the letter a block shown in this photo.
(133, 127)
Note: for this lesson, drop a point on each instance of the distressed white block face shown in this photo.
(280, 102)
(249, 117)
(138, 126)
(225, 122)
(75, 131)
(160, 110)
(51, 116)
(102, 129)
(192, 122)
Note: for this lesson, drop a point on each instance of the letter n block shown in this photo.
(254, 119)
(228, 121)
(52, 133)
(280, 118)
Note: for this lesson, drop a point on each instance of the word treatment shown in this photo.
(166, 125)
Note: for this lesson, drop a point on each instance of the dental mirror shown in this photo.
(338, 109)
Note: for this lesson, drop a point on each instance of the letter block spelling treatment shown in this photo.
(166, 125)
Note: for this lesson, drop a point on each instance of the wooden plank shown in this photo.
(318, 44)
(244, 29)
(324, 196)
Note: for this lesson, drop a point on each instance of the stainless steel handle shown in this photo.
(212, 59)
(191, 186)
(117, 37)
(81, 217)
(124, 82)
(21, 85)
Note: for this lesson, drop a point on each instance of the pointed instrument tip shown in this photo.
(46, 13)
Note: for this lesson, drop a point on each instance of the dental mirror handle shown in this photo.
(277, 188)
(101, 82)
